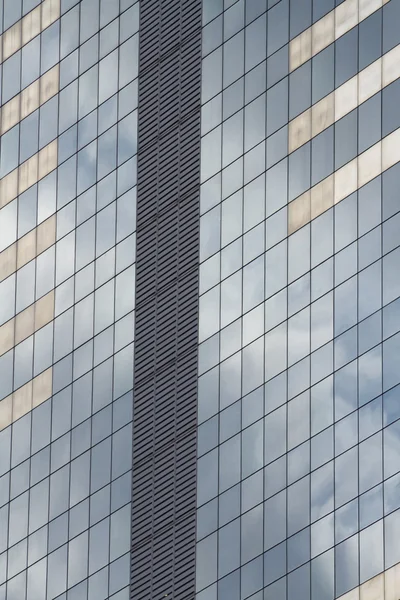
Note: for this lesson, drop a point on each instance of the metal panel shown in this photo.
(165, 396)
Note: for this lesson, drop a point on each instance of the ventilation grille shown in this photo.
(165, 398)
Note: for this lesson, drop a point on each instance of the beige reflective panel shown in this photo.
(346, 17)
(346, 98)
(321, 197)
(8, 261)
(24, 324)
(29, 27)
(36, 241)
(323, 114)
(5, 412)
(26, 249)
(300, 50)
(49, 84)
(391, 150)
(27, 397)
(299, 130)
(11, 40)
(22, 401)
(8, 188)
(391, 66)
(373, 589)
(323, 33)
(44, 310)
(46, 234)
(370, 81)
(299, 212)
(28, 173)
(331, 27)
(392, 583)
(6, 336)
(30, 99)
(367, 7)
(42, 387)
(385, 586)
(48, 159)
(50, 12)
(10, 114)
(369, 164)
(345, 181)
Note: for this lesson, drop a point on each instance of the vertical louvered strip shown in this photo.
(165, 397)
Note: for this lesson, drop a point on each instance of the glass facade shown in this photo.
(68, 147)
(298, 489)
(289, 276)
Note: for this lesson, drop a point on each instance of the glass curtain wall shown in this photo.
(67, 273)
(299, 343)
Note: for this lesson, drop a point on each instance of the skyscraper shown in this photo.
(200, 300)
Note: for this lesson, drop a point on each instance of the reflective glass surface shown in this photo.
(67, 274)
(298, 430)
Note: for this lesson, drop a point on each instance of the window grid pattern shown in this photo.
(298, 438)
(67, 287)
(44, 13)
